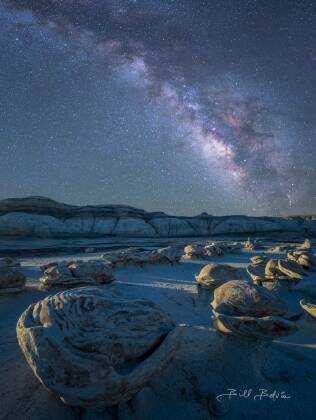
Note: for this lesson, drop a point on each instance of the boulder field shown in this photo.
(41, 217)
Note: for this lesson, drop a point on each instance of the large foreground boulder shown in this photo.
(12, 280)
(94, 349)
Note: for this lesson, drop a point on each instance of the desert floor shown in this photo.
(185, 387)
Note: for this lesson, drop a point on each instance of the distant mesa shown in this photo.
(41, 217)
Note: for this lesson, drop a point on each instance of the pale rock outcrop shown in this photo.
(42, 226)
(31, 225)
(89, 226)
(94, 349)
(72, 273)
(172, 226)
(45, 218)
(214, 275)
(128, 226)
(200, 225)
(12, 279)
(236, 224)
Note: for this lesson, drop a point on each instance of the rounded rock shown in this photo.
(214, 275)
(249, 310)
(94, 349)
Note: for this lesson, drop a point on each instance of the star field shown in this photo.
(179, 106)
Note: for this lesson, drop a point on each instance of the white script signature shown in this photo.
(256, 395)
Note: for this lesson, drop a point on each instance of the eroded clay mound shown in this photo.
(95, 349)
(76, 272)
(214, 275)
(12, 280)
(252, 311)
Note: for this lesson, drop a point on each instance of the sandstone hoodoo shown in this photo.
(42, 217)
(94, 349)
(12, 279)
(73, 273)
(214, 275)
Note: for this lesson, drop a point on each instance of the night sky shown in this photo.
(180, 106)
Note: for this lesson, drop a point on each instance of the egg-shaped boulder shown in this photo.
(94, 349)
(247, 309)
(214, 275)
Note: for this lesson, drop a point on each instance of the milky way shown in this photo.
(223, 119)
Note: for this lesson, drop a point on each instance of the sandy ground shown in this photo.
(184, 389)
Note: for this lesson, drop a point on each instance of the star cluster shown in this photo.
(180, 106)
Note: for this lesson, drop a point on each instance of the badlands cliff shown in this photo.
(41, 217)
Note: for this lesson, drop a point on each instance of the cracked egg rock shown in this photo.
(94, 349)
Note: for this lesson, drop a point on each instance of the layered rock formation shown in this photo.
(45, 218)
(94, 349)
